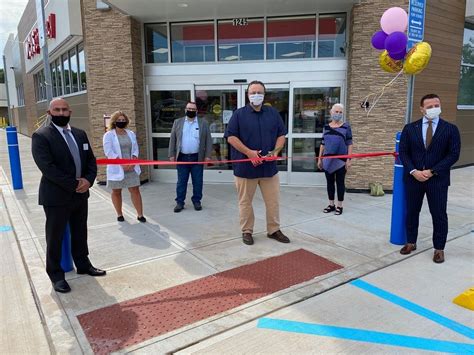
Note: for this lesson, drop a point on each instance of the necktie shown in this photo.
(429, 133)
(74, 152)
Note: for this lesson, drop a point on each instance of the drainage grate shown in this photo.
(131, 322)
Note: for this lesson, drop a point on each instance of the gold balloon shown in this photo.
(388, 64)
(417, 58)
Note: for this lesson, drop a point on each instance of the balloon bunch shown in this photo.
(393, 41)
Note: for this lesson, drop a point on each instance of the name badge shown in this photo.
(85, 146)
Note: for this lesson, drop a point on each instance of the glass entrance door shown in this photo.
(304, 108)
(217, 103)
(310, 110)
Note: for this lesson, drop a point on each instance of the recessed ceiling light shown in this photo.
(182, 4)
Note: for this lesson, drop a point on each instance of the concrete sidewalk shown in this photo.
(172, 249)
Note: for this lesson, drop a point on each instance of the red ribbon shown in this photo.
(215, 162)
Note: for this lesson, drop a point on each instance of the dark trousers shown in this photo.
(437, 201)
(196, 171)
(57, 218)
(336, 177)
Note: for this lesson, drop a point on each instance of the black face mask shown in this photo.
(60, 121)
(121, 124)
(191, 114)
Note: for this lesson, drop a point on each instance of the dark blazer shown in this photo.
(205, 140)
(440, 156)
(52, 156)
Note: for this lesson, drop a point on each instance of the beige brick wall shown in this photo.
(112, 44)
(375, 132)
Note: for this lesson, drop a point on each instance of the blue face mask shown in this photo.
(336, 116)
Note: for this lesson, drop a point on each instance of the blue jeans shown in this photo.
(196, 171)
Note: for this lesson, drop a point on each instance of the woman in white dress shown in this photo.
(121, 143)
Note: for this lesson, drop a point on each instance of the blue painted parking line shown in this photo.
(5, 228)
(367, 336)
(413, 307)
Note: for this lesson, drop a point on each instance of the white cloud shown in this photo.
(10, 15)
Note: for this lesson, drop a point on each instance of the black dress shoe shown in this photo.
(120, 219)
(247, 238)
(61, 286)
(92, 271)
(178, 208)
(141, 219)
(198, 206)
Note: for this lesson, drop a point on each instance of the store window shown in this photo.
(166, 106)
(240, 39)
(156, 43)
(311, 108)
(291, 37)
(40, 86)
(66, 74)
(59, 77)
(332, 36)
(192, 42)
(82, 68)
(74, 70)
(20, 92)
(466, 82)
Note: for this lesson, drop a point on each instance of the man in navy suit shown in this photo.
(429, 148)
(64, 156)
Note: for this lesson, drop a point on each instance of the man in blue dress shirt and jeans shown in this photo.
(255, 131)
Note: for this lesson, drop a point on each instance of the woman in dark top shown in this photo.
(337, 140)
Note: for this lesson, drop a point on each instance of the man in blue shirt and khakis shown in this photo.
(255, 131)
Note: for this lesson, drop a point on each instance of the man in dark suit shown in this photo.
(429, 148)
(190, 141)
(68, 167)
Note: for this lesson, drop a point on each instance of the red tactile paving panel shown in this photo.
(131, 322)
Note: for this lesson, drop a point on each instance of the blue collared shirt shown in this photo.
(424, 127)
(190, 137)
(258, 130)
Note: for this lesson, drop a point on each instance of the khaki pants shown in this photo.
(270, 188)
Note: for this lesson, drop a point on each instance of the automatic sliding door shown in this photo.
(311, 111)
(166, 105)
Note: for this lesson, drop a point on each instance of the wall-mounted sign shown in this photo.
(240, 22)
(32, 41)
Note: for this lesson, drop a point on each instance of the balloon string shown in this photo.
(378, 95)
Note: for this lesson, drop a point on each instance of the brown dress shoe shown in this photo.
(438, 256)
(407, 248)
(278, 235)
(247, 238)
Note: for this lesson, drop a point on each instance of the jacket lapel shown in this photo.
(79, 144)
(438, 132)
(419, 132)
(60, 138)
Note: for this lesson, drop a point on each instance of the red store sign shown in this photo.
(32, 46)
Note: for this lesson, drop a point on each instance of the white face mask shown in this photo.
(256, 99)
(433, 112)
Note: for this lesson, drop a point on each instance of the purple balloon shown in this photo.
(399, 55)
(378, 40)
(396, 42)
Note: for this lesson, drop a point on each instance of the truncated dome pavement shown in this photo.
(132, 322)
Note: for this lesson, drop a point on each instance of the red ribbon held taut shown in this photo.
(264, 158)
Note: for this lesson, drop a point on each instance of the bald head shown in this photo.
(59, 105)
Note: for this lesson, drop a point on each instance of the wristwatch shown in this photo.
(433, 172)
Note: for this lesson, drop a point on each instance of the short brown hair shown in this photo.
(427, 97)
(115, 116)
(256, 82)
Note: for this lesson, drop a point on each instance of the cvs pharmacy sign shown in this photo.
(32, 41)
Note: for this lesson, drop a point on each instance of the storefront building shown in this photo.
(148, 58)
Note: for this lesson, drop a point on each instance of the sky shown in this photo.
(10, 14)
